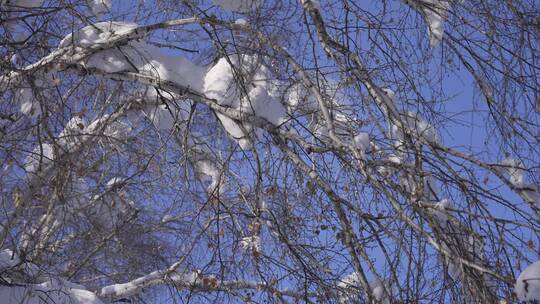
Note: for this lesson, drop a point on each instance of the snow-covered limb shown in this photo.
(361, 141)
(47, 167)
(527, 285)
(515, 171)
(384, 98)
(47, 293)
(242, 82)
(218, 83)
(94, 44)
(23, 282)
(315, 188)
(166, 114)
(352, 292)
(414, 125)
(344, 57)
(40, 156)
(208, 169)
(130, 55)
(99, 7)
(189, 93)
(435, 13)
(251, 244)
(165, 110)
(529, 192)
(194, 281)
(67, 53)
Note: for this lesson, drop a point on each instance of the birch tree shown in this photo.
(250, 151)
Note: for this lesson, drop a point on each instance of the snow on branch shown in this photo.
(79, 45)
(527, 285)
(194, 281)
(435, 13)
(23, 282)
(350, 291)
(530, 192)
(243, 83)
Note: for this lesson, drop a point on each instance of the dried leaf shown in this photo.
(17, 197)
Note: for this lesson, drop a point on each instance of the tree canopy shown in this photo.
(234, 151)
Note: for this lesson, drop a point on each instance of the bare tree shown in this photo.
(269, 151)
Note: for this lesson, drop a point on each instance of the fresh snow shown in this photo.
(251, 243)
(208, 173)
(8, 259)
(299, 98)
(105, 209)
(109, 61)
(240, 21)
(207, 169)
(28, 104)
(124, 289)
(116, 129)
(377, 286)
(361, 142)
(25, 95)
(165, 117)
(527, 285)
(389, 99)
(167, 218)
(97, 33)
(99, 7)
(352, 283)
(394, 159)
(220, 84)
(435, 13)
(41, 155)
(57, 290)
(113, 182)
(265, 105)
(110, 211)
(341, 108)
(515, 170)
(55, 293)
(72, 133)
(387, 170)
(152, 61)
(440, 212)
(139, 57)
(416, 125)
